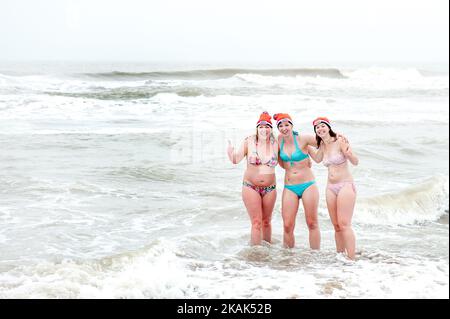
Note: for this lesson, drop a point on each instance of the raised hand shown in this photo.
(347, 150)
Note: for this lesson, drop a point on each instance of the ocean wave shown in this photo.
(368, 73)
(427, 201)
(129, 93)
(217, 73)
(316, 82)
(121, 276)
(377, 73)
(162, 269)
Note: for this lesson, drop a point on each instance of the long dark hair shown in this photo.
(319, 139)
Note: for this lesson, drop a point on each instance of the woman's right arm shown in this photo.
(236, 157)
(316, 154)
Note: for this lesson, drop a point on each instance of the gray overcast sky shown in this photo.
(229, 30)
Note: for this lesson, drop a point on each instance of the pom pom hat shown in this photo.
(321, 120)
(282, 117)
(264, 119)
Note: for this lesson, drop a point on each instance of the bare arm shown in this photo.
(237, 156)
(310, 140)
(280, 161)
(348, 152)
(316, 154)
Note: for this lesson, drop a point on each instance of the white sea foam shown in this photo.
(159, 272)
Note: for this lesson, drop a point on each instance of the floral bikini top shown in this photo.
(255, 159)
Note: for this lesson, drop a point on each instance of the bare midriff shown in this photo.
(299, 173)
(260, 175)
(339, 173)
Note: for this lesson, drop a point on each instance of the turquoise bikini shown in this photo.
(297, 156)
(298, 189)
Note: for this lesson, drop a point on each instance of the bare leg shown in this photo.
(310, 199)
(289, 208)
(253, 203)
(345, 205)
(268, 202)
(332, 211)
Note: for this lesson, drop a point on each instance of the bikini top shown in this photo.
(255, 159)
(335, 159)
(296, 156)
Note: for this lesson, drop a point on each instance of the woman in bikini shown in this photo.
(340, 191)
(299, 181)
(259, 185)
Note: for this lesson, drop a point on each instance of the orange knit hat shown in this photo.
(282, 117)
(264, 119)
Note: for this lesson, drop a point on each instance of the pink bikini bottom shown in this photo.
(335, 188)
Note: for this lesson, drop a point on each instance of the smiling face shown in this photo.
(264, 131)
(285, 128)
(322, 130)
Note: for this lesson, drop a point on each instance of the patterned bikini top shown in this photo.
(335, 159)
(255, 159)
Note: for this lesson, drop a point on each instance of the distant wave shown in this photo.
(130, 93)
(427, 201)
(218, 73)
(314, 82)
(365, 73)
